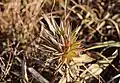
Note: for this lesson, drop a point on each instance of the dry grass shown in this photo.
(59, 41)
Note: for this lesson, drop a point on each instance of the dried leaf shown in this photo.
(96, 69)
(83, 58)
(24, 69)
(37, 76)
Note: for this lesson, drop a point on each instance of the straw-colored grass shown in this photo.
(59, 41)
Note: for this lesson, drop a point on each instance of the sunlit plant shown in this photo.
(62, 41)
